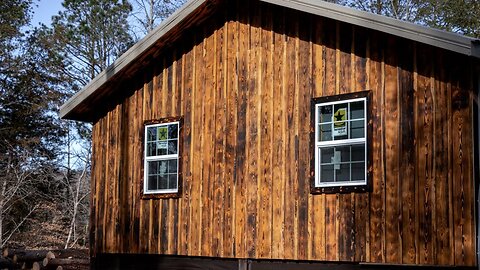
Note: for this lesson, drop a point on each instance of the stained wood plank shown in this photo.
(361, 39)
(187, 93)
(345, 211)
(264, 192)
(303, 116)
(425, 156)
(241, 168)
(443, 191)
(253, 94)
(137, 168)
(391, 146)
(317, 212)
(278, 153)
(197, 140)
(219, 152)
(290, 153)
(231, 79)
(329, 89)
(408, 157)
(377, 210)
(461, 171)
(208, 132)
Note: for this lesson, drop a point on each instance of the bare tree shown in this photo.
(20, 178)
(147, 14)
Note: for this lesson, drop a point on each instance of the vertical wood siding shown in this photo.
(243, 84)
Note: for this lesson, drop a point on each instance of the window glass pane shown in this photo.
(151, 134)
(172, 166)
(326, 173)
(357, 110)
(357, 129)
(163, 182)
(152, 167)
(151, 149)
(358, 152)
(173, 131)
(162, 147)
(172, 147)
(172, 181)
(152, 182)
(358, 171)
(325, 114)
(343, 173)
(326, 155)
(342, 153)
(162, 168)
(325, 132)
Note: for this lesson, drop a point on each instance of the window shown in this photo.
(340, 144)
(161, 160)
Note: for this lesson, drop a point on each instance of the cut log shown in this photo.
(36, 266)
(53, 264)
(28, 256)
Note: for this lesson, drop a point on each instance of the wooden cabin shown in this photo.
(289, 134)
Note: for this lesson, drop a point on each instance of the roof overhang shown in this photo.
(193, 11)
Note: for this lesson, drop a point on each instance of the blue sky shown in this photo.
(44, 10)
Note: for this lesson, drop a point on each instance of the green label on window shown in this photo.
(162, 133)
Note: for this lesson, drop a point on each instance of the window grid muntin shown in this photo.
(341, 142)
(166, 157)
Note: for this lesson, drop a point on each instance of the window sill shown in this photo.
(340, 189)
(155, 196)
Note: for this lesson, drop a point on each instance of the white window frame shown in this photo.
(344, 142)
(147, 159)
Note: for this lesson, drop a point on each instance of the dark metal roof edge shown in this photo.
(130, 55)
(438, 38)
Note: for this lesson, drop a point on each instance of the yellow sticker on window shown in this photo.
(162, 133)
(339, 122)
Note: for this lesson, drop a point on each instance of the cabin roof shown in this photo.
(194, 12)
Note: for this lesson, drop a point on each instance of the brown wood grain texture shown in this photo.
(278, 153)
(377, 206)
(241, 169)
(253, 93)
(137, 166)
(443, 192)
(391, 146)
(290, 167)
(219, 158)
(208, 130)
(264, 191)
(317, 210)
(231, 79)
(407, 154)
(187, 93)
(361, 200)
(304, 97)
(243, 86)
(331, 240)
(425, 155)
(462, 167)
(197, 141)
(346, 210)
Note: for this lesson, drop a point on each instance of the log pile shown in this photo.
(13, 259)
